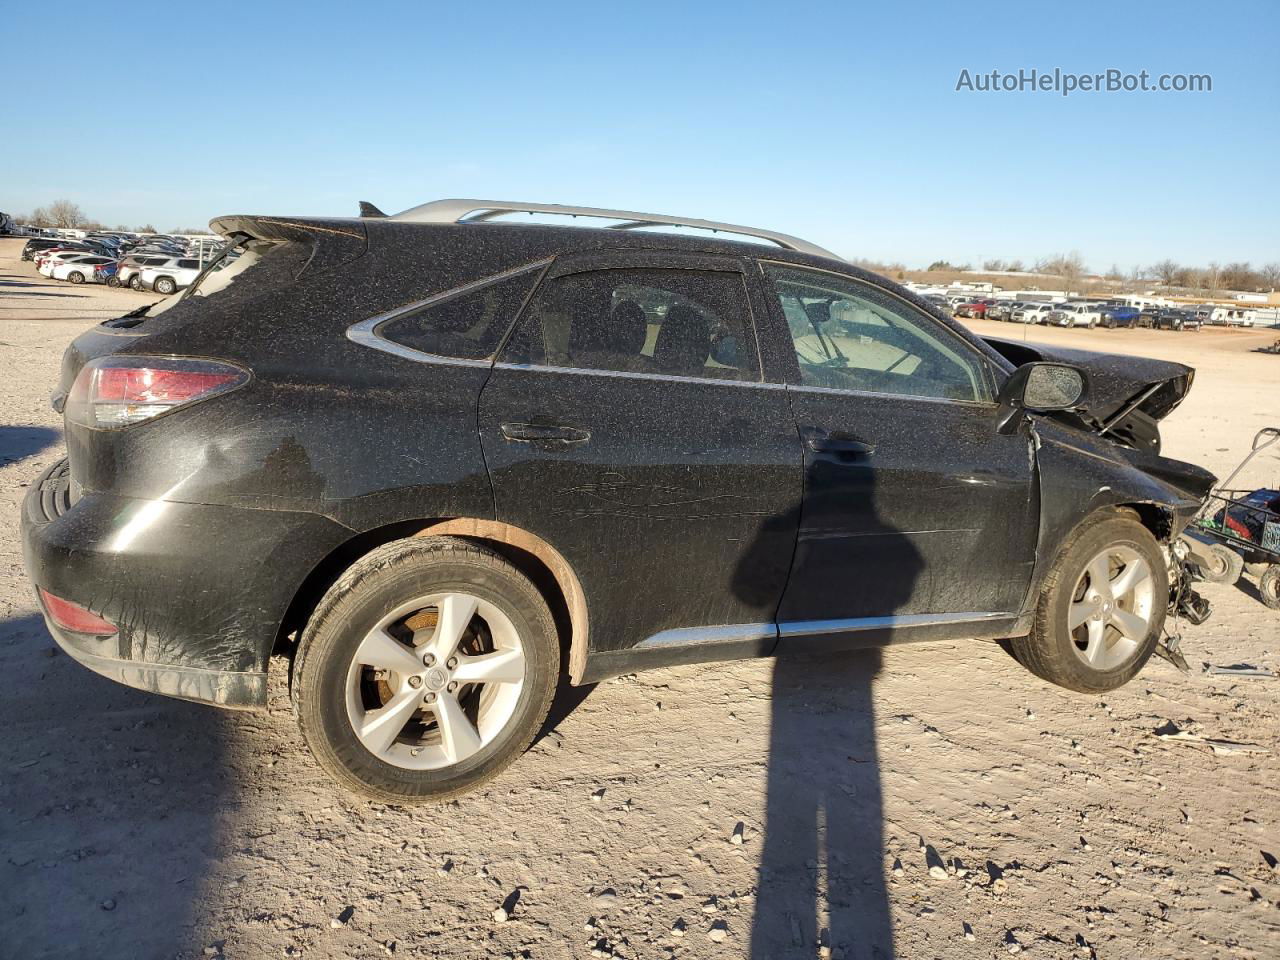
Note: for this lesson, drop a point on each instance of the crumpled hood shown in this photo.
(1115, 380)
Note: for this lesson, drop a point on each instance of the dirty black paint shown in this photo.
(691, 502)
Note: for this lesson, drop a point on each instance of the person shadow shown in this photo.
(821, 879)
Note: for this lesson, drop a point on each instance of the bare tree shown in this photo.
(995, 266)
(1115, 273)
(1211, 278)
(1166, 271)
(1270, 275)
(40, 217)
(64, 213)
(1015, 266)
(1068, 266)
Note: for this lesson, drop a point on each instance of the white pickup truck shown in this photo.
(1075, 315)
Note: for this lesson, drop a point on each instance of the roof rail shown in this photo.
(478, 211)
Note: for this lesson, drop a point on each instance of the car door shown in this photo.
(627, 424)
(917, 513)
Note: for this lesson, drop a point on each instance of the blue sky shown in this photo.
(833, 122)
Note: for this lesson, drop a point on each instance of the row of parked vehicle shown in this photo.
(1086, 313)
(160, 262)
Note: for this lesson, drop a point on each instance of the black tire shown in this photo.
(1269, 586)
(1050, 651)
(75, 276)
(113, 281)
(164, 285)
(1223, 565)
(387, 577)
(135, 282)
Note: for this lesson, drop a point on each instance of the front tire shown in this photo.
(75, 276)
(425, 671)
(1101, 608)
(165, 285)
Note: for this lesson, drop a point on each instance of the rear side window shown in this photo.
(690, 323)
(189, 264)
(467, 323)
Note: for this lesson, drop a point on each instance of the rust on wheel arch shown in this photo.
(560, 569)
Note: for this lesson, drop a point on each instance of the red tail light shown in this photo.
(75, 618)
(119, 391)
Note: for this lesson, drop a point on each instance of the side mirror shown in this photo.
(1041, 388)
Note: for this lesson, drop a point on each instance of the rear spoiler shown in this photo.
(333, 241)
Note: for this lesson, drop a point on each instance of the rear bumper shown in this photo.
(197, 592)
(237, 690)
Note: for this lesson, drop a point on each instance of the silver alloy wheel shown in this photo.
(1111, 608)
(436, 680)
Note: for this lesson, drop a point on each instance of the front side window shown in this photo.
(468, 325)
(691, 323)
(849, 336)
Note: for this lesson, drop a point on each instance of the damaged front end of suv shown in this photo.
(1118, 422)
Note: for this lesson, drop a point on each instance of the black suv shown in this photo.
(438, 459)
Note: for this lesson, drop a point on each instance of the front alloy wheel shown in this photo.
(1101, 607)
(1110, 615)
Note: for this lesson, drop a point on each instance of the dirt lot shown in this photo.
(133, 826)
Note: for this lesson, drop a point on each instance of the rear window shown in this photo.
(467, 323)
(262, 265)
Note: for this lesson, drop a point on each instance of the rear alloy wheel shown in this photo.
(135, 283)
(113, 281)
(425, 671)
(75, 276)
(1102, 607)
(165, 285)
(1269, 586)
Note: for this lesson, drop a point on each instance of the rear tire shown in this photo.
(135, 283)
(75, 276)
(113, 281)
(1269, 586)
(430, 609)
(1092, 631)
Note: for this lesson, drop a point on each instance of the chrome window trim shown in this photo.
(366, 333)
(696, 636)
(807, 628)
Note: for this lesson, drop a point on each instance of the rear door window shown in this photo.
(669, 322)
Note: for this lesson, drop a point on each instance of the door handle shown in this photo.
(543, 433)
(838, 443)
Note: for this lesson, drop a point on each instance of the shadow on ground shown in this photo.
(19, 443)
(110, 801)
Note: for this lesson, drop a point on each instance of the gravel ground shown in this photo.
(928, 801)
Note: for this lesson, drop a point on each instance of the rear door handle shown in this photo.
(838, 443)
(543, 433)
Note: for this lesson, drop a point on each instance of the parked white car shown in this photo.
(131, 267)
(1075, 315)
(79, 269)
(175, 274)
(48, 262)
(1032, 313)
